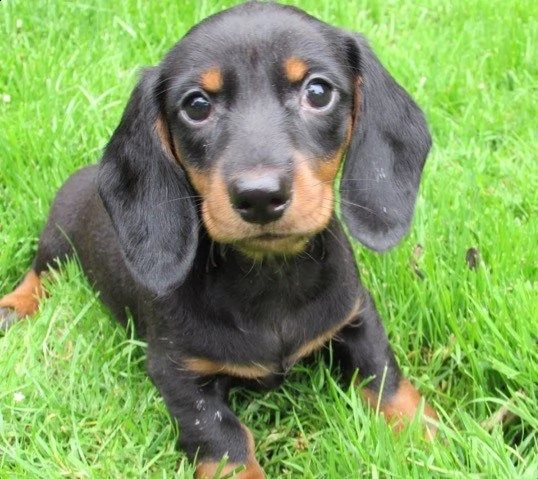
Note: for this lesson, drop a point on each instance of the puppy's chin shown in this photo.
(264, 246)
(280, 239)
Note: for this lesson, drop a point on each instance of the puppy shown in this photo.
(210, 218)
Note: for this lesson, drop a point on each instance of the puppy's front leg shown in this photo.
(209, 430)
(363, 346)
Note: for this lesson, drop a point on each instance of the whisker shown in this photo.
(172, 200)
(342, 180)
(350, 203)
(211, 257)
(338, 240)
(252, 266)
(308, 255)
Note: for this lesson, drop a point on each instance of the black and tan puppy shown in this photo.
(211, 216)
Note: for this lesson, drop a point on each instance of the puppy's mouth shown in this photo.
(273, 244)
(272, 237)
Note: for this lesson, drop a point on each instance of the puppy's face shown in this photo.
(259, 111)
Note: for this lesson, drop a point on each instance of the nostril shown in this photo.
(243, 205)
(278, 202)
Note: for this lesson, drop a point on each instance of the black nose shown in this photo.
(260, 199)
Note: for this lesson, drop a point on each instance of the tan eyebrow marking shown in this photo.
(295, 69)
(211, 80)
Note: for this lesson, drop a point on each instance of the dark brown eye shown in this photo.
(196, 107)
(317, 93)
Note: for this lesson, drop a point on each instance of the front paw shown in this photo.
(214, 470)
(401, 408)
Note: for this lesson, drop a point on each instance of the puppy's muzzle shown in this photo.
(261, 199)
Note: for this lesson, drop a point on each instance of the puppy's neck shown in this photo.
(222, 255)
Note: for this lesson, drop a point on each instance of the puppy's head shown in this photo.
(259, 106)
(255, 109)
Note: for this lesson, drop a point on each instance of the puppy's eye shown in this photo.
(196, 107)
(317, 94)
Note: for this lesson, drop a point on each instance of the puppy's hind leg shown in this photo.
(22, 301)
(63, 226)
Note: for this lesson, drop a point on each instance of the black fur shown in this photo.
(386, 156)
(159, 239)
(135, 222)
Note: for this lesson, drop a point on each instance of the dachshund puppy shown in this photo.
(210, 218)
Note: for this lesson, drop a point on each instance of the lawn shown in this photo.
(458, 296)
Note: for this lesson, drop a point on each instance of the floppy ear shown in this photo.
(389, 145)
(147, 194)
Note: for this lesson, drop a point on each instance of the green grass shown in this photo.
(74, 398)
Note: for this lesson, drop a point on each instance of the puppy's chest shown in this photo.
(277, 336)
(255, 321)
(261, 344)
(284, 337)
(264, 328)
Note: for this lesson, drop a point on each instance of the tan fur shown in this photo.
(295, 69)
(252, 470)
(357, 100)
(164, 137)
(320, 341)
(199, 179)
(207, 367)
(211, 80)
(327, 168)
(402, 407)
(308, 213)
(24, 299)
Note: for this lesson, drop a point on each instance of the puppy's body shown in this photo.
(79, 225)
(210, 217)
(268, 311)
